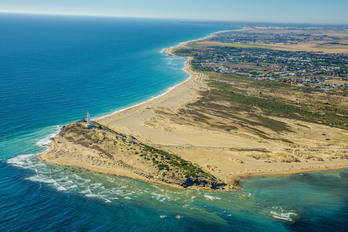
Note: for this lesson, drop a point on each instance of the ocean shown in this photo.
(55, 68)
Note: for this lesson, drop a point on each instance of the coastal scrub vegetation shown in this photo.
(167, 159)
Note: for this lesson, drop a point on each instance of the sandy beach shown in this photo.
(226, 155)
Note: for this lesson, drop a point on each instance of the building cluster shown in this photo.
(317, 70)
(270, 38)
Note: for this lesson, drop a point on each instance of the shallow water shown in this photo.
(300, 202)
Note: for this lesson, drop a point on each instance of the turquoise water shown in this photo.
(52, 69)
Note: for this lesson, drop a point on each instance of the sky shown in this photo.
(277, 11)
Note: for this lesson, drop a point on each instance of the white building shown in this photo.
(88, 117)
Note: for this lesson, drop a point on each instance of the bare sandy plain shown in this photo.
(339, 45)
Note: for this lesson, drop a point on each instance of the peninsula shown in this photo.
(257, 102)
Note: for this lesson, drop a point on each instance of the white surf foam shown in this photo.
(280, 213)
(283, 216)
(21, 160)
(60, 188)
(48, 139)
(209, 197)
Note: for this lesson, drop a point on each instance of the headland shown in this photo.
(220, 124)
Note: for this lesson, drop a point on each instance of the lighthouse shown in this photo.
(88, 118)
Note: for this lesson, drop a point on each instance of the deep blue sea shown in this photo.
(55, 68)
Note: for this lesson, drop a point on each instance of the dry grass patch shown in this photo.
(286, 158)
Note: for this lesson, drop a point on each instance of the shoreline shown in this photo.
(169, 89)
(152, 98)
(290, 172)
(134, 120)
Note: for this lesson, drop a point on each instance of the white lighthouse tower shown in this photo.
(88, 118)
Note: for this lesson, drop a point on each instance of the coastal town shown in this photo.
(252, 54)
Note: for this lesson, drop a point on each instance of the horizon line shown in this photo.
(76, 14)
